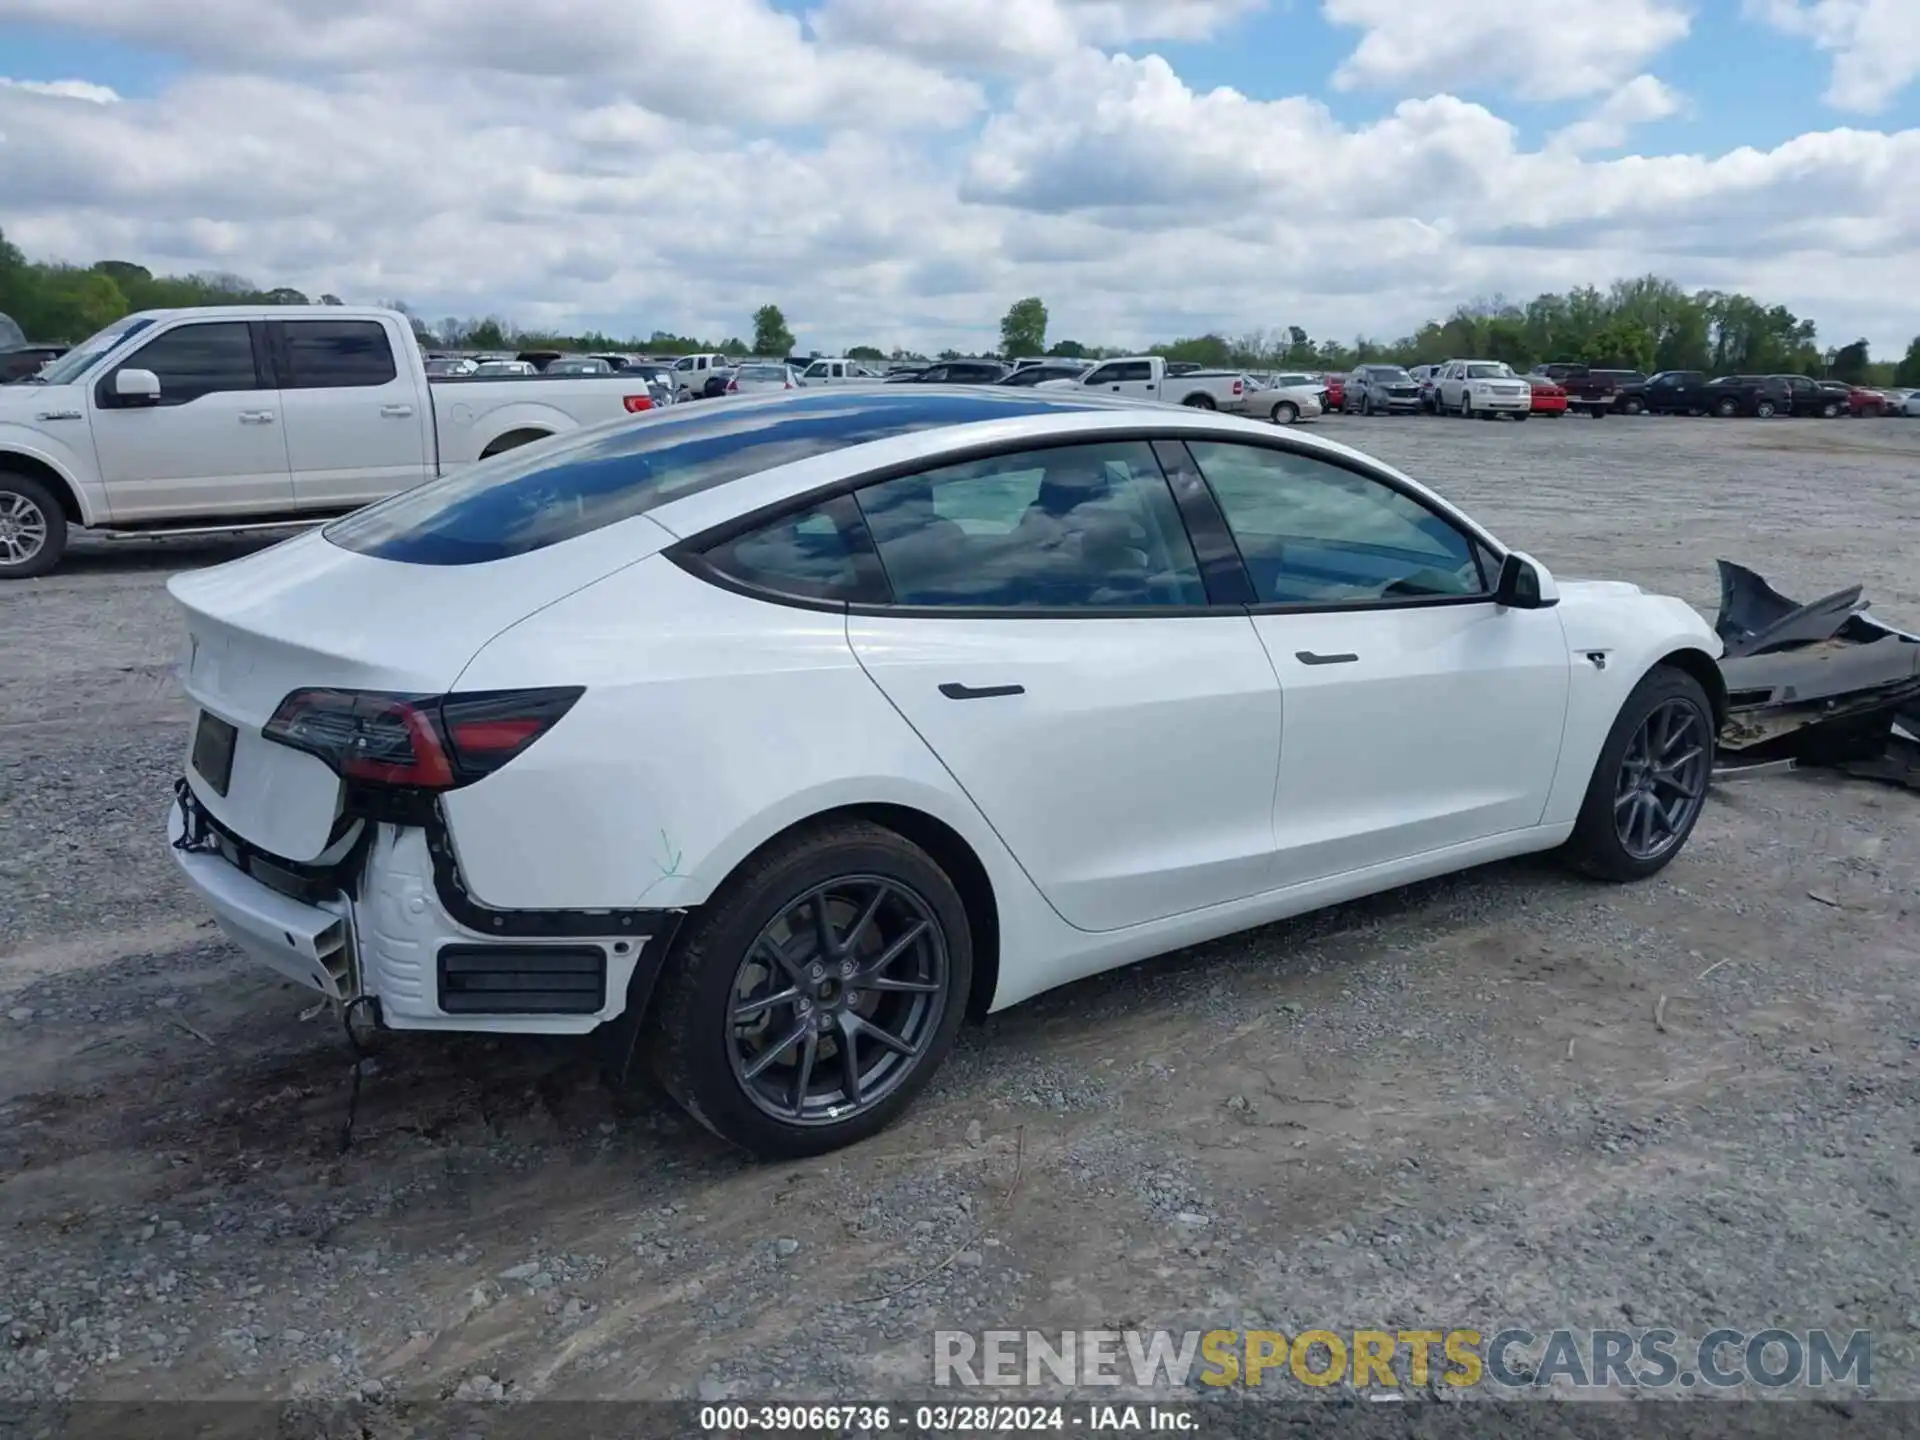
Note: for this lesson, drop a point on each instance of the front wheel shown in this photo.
(816, 993)
(1466, 406)
(1650, 781)
(1829, 411)
(1285, 413)
(33, 528)
(1727, 409)
(1520, 415)
(1633, 406)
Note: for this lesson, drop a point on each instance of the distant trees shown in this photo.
(1908, 371)
(770, 333)
(1648, 323)
(1023, 329)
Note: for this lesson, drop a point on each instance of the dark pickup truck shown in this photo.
(1598, 392)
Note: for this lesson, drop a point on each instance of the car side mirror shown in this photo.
(136, 387)
(1524, 584)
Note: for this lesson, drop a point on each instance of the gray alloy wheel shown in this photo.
(1285, 413)
(1663, 779)
(838, 1000)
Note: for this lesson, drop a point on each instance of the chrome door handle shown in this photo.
(256, 417)
(1308, 657)
(396, 412)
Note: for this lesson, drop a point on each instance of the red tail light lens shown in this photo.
(418, 742)
(636, 403)
(1236, 387)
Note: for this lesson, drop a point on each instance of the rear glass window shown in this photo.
(551, 491)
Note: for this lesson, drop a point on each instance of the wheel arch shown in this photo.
(64, 490)
(1691, 660)
(952, 852)
(513, 439)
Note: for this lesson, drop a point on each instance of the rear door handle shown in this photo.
(256, 417)
(953, 690)
(1308, 657)
(396, 412)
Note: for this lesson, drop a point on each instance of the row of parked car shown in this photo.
(1485, 388)
(1489, 387)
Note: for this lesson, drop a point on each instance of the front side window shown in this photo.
(197, 360)
(1075, 527)
(1313, 533)
(329, 354)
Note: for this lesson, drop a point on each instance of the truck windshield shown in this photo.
(1488, 372)
(77, 361)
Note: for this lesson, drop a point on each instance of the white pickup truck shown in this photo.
(840, 372)
(1148, 377)
(244, 417)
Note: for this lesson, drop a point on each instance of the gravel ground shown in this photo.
(1505, 1097)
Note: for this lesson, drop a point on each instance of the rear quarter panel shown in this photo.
(471, 415)
(712, 721)
(1632, 632)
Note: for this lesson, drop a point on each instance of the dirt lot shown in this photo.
(1510, 1096)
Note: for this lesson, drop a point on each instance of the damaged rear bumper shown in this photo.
(1820, 684)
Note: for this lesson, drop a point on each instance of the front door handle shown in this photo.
(953, 690)
(396, 412)
(1308, 657)
(256, 417)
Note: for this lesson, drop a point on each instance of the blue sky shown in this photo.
(901, 170)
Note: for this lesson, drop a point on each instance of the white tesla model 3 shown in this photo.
(773, 737)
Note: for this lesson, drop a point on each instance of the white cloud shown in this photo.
(994, 34)
(65, 90)
(1559, 53)
(470, 179)
(1640, 101)
(1875, 44)
(714, 60)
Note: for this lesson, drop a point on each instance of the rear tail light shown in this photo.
(1236, 387)
(417, 742)
(636, 403)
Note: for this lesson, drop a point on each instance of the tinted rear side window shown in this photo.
(821, 553)
(550, 492)
(337, 354)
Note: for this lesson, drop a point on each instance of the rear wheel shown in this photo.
(1200, 402)
(33, 528)
(1650, 781)
(1765, 410)
(1285, 413)
(816, 993)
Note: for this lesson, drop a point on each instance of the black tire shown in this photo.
(1466, 406)
(1633, 405)
(1764, 409)
(1595, 847)
(1366, 406)
(1285, 413)
(1726, 409)
(688, 1030)
(1200, 402)
(1520, 415)
(1830, 411)
(1598, 412)
(33, 528)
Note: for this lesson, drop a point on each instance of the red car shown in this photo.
(1548, 397)
(1862, 401)
(1336, 393)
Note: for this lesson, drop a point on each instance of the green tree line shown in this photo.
(1649, 323)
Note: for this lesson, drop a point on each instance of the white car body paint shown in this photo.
(1161, 781)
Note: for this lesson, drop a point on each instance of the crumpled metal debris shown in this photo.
(1818, 684)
